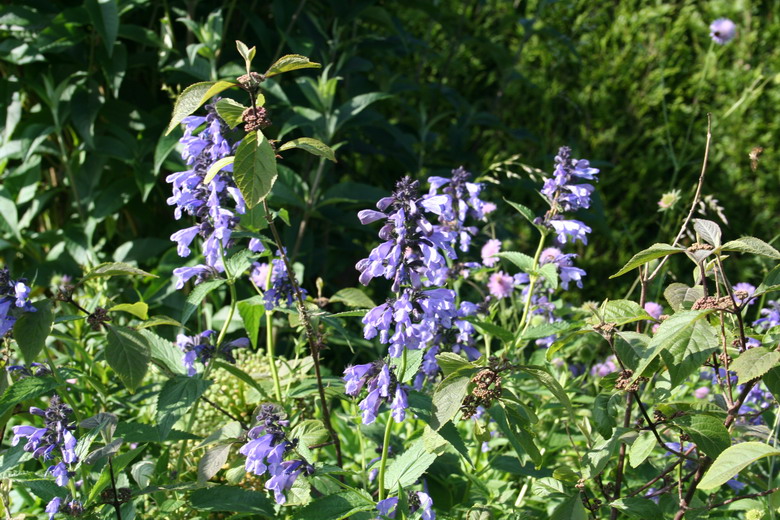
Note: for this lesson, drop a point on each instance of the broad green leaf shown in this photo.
(104, 15)
(25, 389)
(450, 433)
(197, 295)
(127, 352)
(526, 212)
(681, 297)
(193, 97)
(651, 253)
(753, 246)
(687, 342)
(708, 230)
(637, 507)
(771, 282)
(355, 105)
(353, 297)
(449, 362)
(641, 448)
(232, 499)
(552, 384)
(212, 461)
(603, 419)
(676, 333)
(571, 509)
(32, 328)
(620, 312)
(602, 452)
(163, 352)
(448, 398)
(336, 506)
(413, 361)
(114, 269)
(733, 460)
(632, 347)
(175, 399)
(488, 328)
(251, 311)
(405, 469)
(290, 62)
(755, 363)
(772, 381)
(521, 260)
(138, 309)
(313, 146)
(232, 112)
(706, 431)
(245, 52)
(156, 321)
(546, 329)
(215, 168)
(255, 168)
(550, 274)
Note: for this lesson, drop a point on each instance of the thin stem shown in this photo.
(115, 501)
(386, 440)
(269, 344)
(622, 457)
(752, 495)
(531, 284)
(225, 412)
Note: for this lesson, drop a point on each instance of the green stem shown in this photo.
(386, 440)
(63, 384)
(269, 343)
(524, 321)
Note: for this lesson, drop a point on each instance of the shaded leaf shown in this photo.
(232, 499)
(290, 62)
(127, 352)
(255, 168)
(32, 328)
(336, 506)
(114, 269)
(175, 399)
(193, 97)
(752, 245)
(313, 146)
(651, 253)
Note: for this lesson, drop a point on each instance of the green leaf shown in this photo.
(232, 112)
(450, 433)
(138, 309)
(632, 347)
(526, 212)
(550, 274)
(552, 384)
(449, 362)
(448, 398)
(405, 469)
(708, 230)
(641, 448)
(753, 246)
(251, 311)
(114, 269)
(178, 394)
(488, 328)
(32, 328)
(246, 53)
(212, 461)
(193, 97)
(571, 509)
(27, 388)
(620, 312)
(636, 507)
(353, 297)
(232, 499)
(355, 105)
(197, 295)
(680, 296)
(601, 453)
(676, 333)
(336, 506)
(770, 283)
(733, 460)
(255, 168)
(413, 362)
(546, 329)
(651, 253)
(755, 363)
(772, 381)
(603, 420)
(290, 62)
(521, 260)
(163, 352)
(104, 15)
(215, 168)
(687, 341)
(127, 352)
(313, 146)
(706, 431)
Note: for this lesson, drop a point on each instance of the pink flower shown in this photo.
(489, 251)
(701, 392)
(501, 284)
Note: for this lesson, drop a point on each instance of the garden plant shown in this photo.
(420, 342)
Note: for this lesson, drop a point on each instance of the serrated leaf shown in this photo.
(112, 448)
(680, 296)
(733, 460)
(486, 327)
(770, 283)
(687, 347)
(413, 361)
(336, 506)
(708, 230)
(571, 509)
(706, 431)
(138, 309)
(163, 352)
(232, 499)
(550, 274)
(641, 448)
(197, 295)
(114, 269)
(450, 433)
(521, 260)
(632, 347)
(603, 420)
(232, 112)
(215, 168)
(251, 311)
(212, 461)
(448, 398)
(353, 297)
(255, 168)
(620, 312)
(127, 352)
(520, 439)
(526, 212)
(193, 97)
(651, 253)
(552, 384)
(104, 421)
(754, 363)
(32, 328)
(25, 389)
(450, 362)
(156, 321)
(752, 245)
(405, 469)
(290, 62)
(176, 397)
(313, 146)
